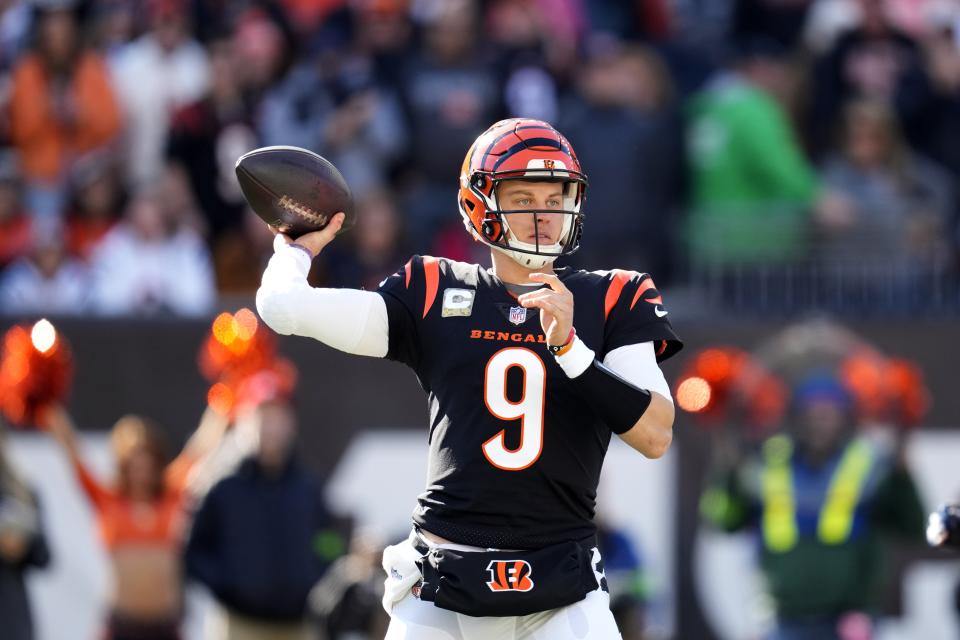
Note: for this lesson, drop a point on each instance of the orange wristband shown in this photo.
(559, 350)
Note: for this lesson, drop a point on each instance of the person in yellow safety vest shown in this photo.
(820, 496)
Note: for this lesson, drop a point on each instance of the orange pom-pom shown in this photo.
(863, 374)
(720, 381)
(708, 379)
(236, 347)
(909, 399)
(36, 370)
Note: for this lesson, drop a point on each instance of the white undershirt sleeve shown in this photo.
(350, 320)
(637, 364)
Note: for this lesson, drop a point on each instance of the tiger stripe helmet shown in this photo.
(521, 149)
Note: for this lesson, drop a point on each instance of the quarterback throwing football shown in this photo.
(528, 370)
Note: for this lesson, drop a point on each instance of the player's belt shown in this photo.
(506, 583)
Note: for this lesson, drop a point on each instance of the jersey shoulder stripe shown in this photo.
(433, 270)
(619, 279)
(646, 285)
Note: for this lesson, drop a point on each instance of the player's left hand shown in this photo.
(556, 307)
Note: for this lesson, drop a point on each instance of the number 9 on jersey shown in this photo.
(529, 409)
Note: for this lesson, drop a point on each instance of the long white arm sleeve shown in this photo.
(350, 320)
(637, 364)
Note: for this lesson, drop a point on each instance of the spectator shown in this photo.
(821, 497)
(152, 262)
(208, 136)
(179, 74)
(141, 519)
(46, 280)
(749, 177)
(375, 248)
(95, 203)
(383, 33)
(894, 205)
(258, 536)
(450, 94)
(15, 221)
(265, 46)
(22, 548)
(242, 254)
(873, 60)
(519, 31)
(329, 104)
(112, 26)
(15, 18)
(624, 125)
(782, 21)
(943, 63)
(61, 105)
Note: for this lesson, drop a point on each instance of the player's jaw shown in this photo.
(541, 229)
(537, 225)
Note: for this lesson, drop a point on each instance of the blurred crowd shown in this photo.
(776, 153)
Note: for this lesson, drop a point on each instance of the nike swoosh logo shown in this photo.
(660, 311)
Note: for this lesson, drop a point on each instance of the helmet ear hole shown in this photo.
(479, 181)
(492, 230)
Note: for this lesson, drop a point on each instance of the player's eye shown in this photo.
(523, 202)
(553, 203)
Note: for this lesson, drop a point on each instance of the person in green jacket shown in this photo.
(821, 497)
(752, 188)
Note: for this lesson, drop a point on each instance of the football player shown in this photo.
(529, 370)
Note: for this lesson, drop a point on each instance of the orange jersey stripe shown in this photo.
(645, 286)
(408, 269)
(614, 289)
(431, 270)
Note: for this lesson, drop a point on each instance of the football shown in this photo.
(293, 189)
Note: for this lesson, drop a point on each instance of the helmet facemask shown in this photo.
(496, 231)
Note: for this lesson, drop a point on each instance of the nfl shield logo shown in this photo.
(518, 315)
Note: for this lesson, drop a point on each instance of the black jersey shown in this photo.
(515, 453)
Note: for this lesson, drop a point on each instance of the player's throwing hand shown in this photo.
(556, 307)
(315, 241)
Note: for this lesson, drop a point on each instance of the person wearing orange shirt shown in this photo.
(61, 105)
(141, 519)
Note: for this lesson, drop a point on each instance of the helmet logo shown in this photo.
(546, 164)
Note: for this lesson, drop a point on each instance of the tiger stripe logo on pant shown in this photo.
(510, 575)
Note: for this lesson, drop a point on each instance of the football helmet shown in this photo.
(521, 149)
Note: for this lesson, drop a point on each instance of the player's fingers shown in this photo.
(315, 241)
(539, 293)
(545, 304)
(562, 301)
(551, 280)
(329, 232)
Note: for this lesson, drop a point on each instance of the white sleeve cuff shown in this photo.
(577, 359)
(295, 252)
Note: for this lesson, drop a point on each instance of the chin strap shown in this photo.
(527, 260)
(524, 259)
